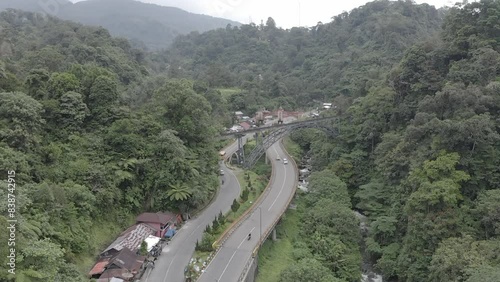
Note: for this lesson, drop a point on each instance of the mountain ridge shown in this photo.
(147, 24)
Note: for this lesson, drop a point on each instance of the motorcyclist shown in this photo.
(249, 236)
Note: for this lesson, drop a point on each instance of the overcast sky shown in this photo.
(286, 13)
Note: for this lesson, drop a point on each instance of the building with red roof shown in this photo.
(121, 265)
(245, 125)
(99, 267)
(159, 221)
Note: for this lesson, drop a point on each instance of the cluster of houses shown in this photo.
(244, 122)
(122, 259)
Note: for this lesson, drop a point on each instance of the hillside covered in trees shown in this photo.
(417, 95)
(304, 66)
(152, 26)
(98, 131)
(87, 156)
(420, 154)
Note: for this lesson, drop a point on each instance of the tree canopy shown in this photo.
(85, 157)
(98, 131)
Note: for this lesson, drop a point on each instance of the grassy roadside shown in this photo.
(293, 149)
(101, 238)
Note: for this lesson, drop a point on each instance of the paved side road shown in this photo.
(175, 257)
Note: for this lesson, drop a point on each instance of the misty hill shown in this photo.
(30, 5)
(156, 26)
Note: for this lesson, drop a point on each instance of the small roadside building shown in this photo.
(245, 125)
(99, 267)
(159, 221)
(124, 265)
(130, 239)
(238, 115)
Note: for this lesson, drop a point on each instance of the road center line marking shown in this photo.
(189, 236)
(229, 262)
(168, 268)
(281, 190)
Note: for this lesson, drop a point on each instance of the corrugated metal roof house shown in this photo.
(99, 266)
(127, 259)
(130, 239)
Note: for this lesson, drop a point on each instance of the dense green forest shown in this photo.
(273, 67)
(326, 248)
(98, 131)
(94, 138)
(417, 95)
(420, 154)
(147, 25)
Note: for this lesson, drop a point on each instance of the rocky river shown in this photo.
(367, 267)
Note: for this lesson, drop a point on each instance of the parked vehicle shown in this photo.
(222, 155)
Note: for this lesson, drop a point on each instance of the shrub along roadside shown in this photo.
(252, 185)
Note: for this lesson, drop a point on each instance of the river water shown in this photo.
(367, 267)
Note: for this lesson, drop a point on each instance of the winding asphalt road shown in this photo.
(175, 256)
(229, 262)
(232, 256)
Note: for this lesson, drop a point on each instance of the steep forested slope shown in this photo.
(94, 136)
(418, 106)
(420, 154)
(303, 66)
(144, 24)
(94, 139)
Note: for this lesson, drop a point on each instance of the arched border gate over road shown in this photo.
(282, 131)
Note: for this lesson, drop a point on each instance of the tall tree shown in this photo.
(20, 120)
